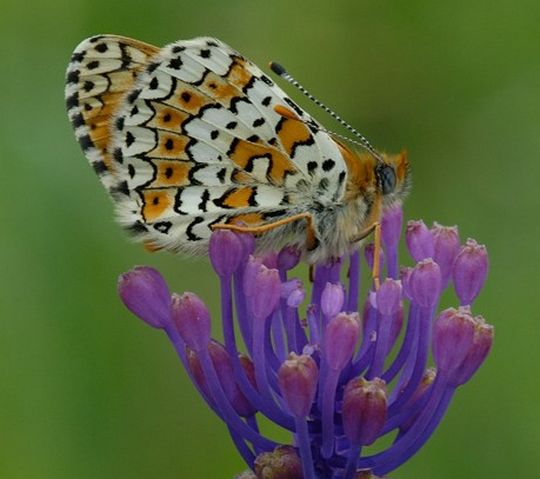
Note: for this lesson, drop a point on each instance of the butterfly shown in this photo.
(194, 137)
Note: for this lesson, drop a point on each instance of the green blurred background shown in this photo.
(87, 391)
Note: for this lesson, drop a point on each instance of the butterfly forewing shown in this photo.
(187, 137)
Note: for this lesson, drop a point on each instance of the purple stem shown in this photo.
(392, 265)
(313, 322)
(384, 324)
(304, 444)
(180, 348)
(352, 461)
(406, 347)
(411, 411)
(354, 281)
(425, 316)
(241, 309)
(301, 338)
(278, 336)
(290, 327)
(426, 434)
(243, 448)
(229, 414)
(329, 385)
(261, 346)
(419, 432)
(319, 281)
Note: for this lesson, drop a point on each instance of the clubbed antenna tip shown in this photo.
(277, 69)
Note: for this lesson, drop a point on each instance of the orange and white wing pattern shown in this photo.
(186, 137)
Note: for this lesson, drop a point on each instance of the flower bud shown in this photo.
(446, 248)
(288, 258)
(226, 251)
(282, 463)
(332, 299)
(192, 320)
(297, 377)
(364, 410)
(389, 296)
(289, 286)
(425, 283)
(419, 240)
(392, 221)
(470, 271)
(266, 294)
(340, 338)
(453, 334)
(145, 293)
(481, 345)
(296, 298)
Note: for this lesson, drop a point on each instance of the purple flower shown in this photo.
(327, 378)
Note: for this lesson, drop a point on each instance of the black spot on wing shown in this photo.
(204, 200)
(119, 190)
(86, 142)
(118, 156)
(175, 63)
(189, 230)
(99, 167)
(328, 164)
(73, 76)
(77, 120)
(137, 228)
(163, 226)
(72, 101)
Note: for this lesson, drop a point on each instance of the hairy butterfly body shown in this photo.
(193, 137)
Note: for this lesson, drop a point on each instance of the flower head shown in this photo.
(326, 378)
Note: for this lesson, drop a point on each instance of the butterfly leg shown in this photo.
(375, 228)
(311, 239)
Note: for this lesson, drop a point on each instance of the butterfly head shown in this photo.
(393, 176)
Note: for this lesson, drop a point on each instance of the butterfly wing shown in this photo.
(190, 139)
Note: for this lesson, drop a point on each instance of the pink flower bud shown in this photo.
(419, 240)
(453, 334)
(192, 320)
(364, 410)
(226, 251)
(470, 271)
(145, 293)
(332, 299)
(340, 338)
(298, 377)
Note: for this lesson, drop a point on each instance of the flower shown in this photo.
(327, 378)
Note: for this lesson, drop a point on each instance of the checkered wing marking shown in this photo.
(102, 69)
(196, 141)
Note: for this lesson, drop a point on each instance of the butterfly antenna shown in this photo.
(364, 142)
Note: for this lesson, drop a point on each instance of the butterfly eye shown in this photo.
(387, 178)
